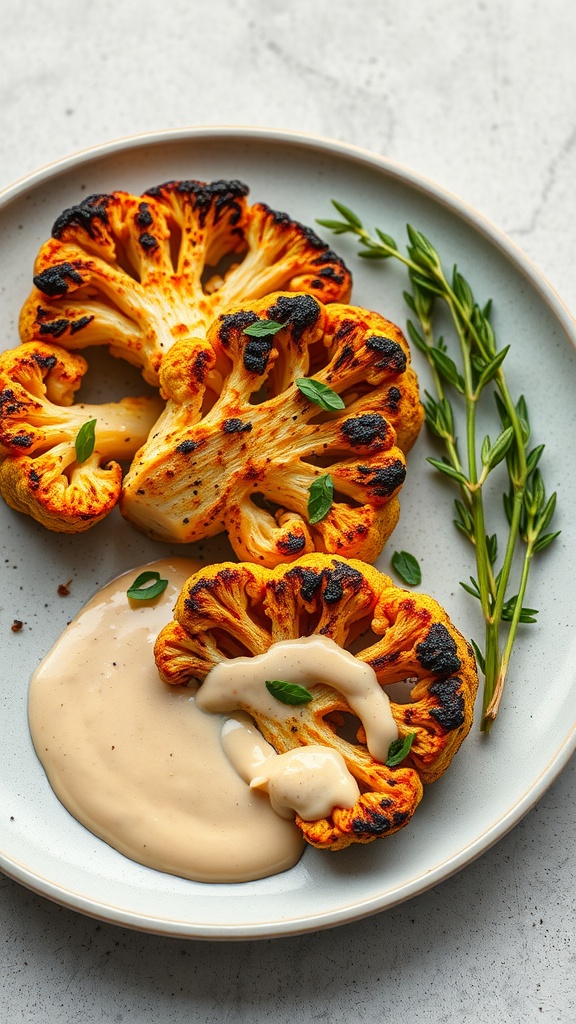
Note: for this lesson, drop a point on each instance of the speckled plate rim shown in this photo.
(467, 854)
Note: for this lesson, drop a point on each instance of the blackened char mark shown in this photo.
(9, 404)
(373, 824)
(346, 355)
(364, 431)
(291, 543)
(46, 363)
(450, 714)
(384, 482)
(220, 196)
(84, 215)
(230, 323)
(437, 653)
(256, 355)
(55, 328)
(382, 661)
(55, 280)
(391, 355)
(392, 400)
(148, 241)
(22, 441)
(342, 577)
(186, 447)
(300, 311)
(200, 366)
(345, 328)
(79, 325)
(236, 426)
(308, 580)
(224, 578)
(143, 218)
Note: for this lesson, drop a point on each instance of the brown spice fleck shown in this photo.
(64, 589)
(17, 625)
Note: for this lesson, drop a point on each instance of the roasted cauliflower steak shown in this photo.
(40, 473)
(239, 445)
(136, 273)
(238, 609)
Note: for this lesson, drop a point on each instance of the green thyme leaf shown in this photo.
(348, 214)
(447, 368)
(321, 496)
(85, 441)
(491, 369)
(288, 693)
(319, 393)
(398, 749)
(448, 470)
(139, 591)
(479, 656)
(407, 568)
(472, 589)
(544, 541)
(263, 328)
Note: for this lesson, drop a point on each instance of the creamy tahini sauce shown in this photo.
(155, 770)
(310, 780)
(308, 661)
(137, 761)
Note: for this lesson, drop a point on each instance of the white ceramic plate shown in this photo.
(492, 782)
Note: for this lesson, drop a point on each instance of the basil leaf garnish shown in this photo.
(139, 591)
(85, 441)
(398, 750)
(263, 328)
(319, 393)
(288, 693)
(407, 568)
(321, 496)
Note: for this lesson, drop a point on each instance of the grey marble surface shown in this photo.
(481, 98)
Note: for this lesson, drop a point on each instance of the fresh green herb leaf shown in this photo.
(399, 749)
(288, 693)
(321, 496)
(479, 656)
(85, 441)
(407, 568)
(448, 470)
(142, 589)
(347, 213)
(319, 393)
(263, 328)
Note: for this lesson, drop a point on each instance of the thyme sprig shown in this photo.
(479, 372)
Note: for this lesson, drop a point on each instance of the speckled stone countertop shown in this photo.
(479, 97)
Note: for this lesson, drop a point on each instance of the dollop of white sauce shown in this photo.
(310, 781)
(240, 683)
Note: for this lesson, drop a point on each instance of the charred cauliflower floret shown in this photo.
(239, 445)
(39, 470)
(136, 273)
(236, 610)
